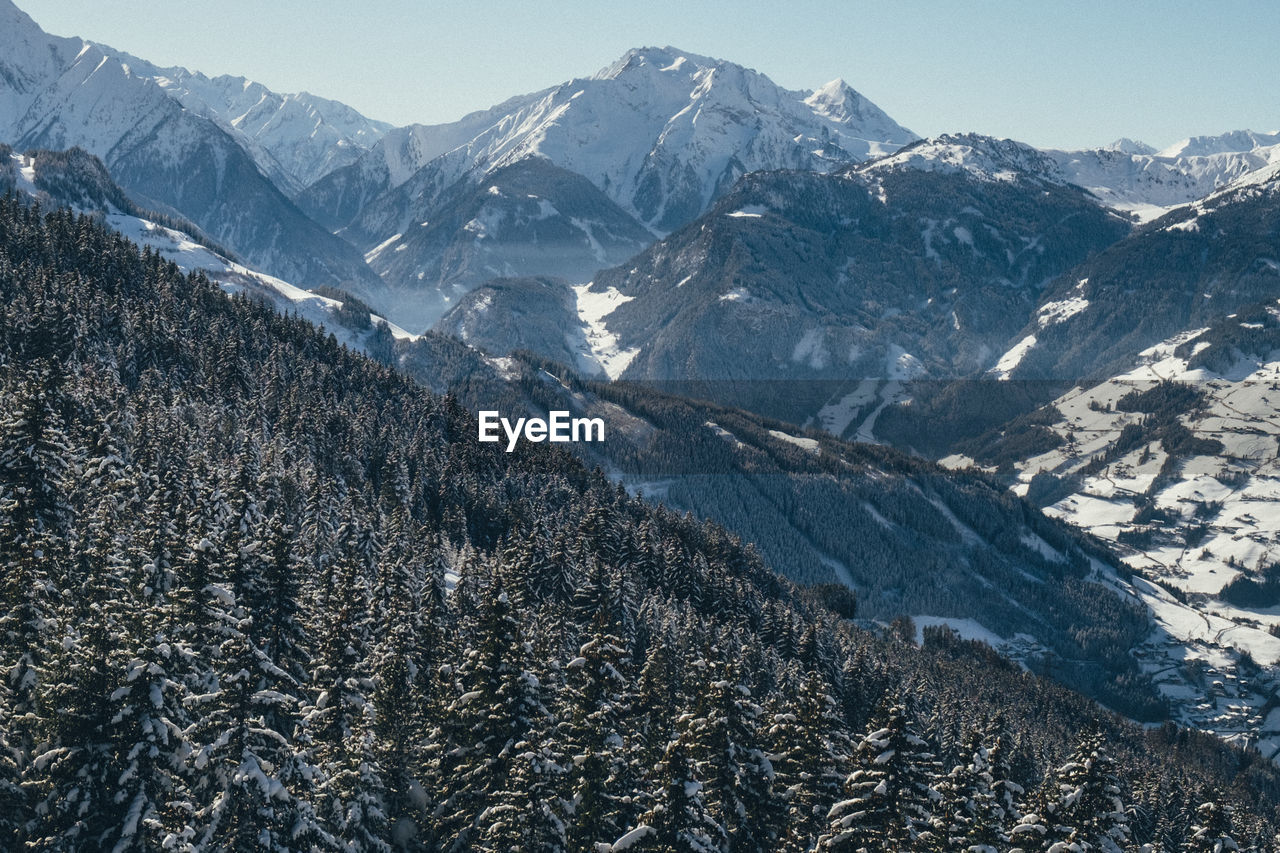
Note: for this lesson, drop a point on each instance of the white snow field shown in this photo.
(1220, 515)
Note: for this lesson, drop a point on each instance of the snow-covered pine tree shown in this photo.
(602, 783)
(889, 796)
(1082, 806)
(351, 796)
(1008, 793)
(737, 776)
(147, 732)
(655, 705)
(678, 821)
(37, 465)
(527, 813)
(150, 799)
(251, 778)
(811, 759)
(501, 706)
(400, 693)
(1213, 828)
(971, 814)
(77, 775)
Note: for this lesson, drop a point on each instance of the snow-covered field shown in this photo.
(1192, 524)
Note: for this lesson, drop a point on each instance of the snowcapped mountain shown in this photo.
(56, 93)
(1126, 175)
(982, 157)
(661, 132)
(339, 197)
(658, 135)
(1183, 271)
(296, 138)
(1131, 176)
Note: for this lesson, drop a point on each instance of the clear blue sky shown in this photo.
(1060, 74)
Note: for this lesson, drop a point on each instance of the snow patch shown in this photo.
(606, 355)
(1052, 313)
(809, 444)
(1013, 357)
(811, 350)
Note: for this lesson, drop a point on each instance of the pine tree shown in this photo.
(811, 758)
(251, 776)
(147, 729)
(400, 696)
(351, 794)
(971, 813)
(77, 776)
(37, 465)
(1212, 830)
(655, 703)
(889, 796)
(1082, 805)
(526, 812)
(678, 821)
(725, 741)
(603, 787)
(499, 710)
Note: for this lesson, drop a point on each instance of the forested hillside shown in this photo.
(257, 592)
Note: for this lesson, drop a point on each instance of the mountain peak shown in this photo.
(1232, 142)
(985, 157)
(662, 59)
(1125, 145)
(840, 102)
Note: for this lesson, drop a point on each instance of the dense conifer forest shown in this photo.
(261, 593)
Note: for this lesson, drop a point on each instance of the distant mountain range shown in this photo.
(563, 182)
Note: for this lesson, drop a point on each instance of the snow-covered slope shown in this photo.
(1126, 175)
(529, 219)
(660, 131)
(1176, 462)
(1131, 176)
(77, 180)
(56, 93)
(982, 157)
(337, 198)
(296, 138)
(1195, 265)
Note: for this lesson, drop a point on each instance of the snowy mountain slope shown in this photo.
(78, 180)
(985, 158)
(1183, 271)
(531, 218)
(1137, 178)
(1175, 460)
(57, 93)
(337, 198)
(548, 316)
(661, 132)
(296, 138)
(659, 135)
(1126, 175)
(876, 273)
